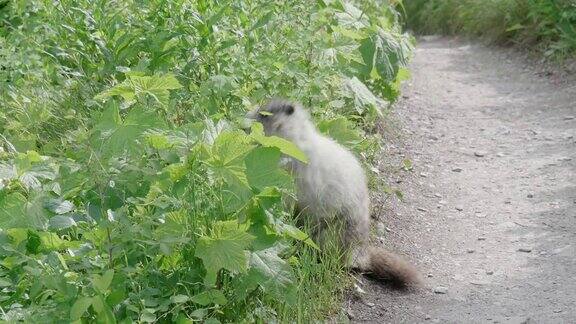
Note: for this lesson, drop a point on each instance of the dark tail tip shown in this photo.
(393, 269)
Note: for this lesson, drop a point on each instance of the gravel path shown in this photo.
(490, 205)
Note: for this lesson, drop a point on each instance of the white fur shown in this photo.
(332, 183)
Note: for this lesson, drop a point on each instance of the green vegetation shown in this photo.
(128, 192)
(546, 25)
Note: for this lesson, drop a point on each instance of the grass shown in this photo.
(547, 26)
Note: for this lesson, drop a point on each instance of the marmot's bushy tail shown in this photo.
(390, 267)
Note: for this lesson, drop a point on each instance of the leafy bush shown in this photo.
(127, 190)
(548, 25)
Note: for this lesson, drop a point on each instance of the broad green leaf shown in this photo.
(12, 210)
(384, 53)
(235, 192)
(116, 136)
(52, 242)
(258, 209)
(208, 297)
(158, 141)
(59, 206)
(60, 222)
(101, 283)
(363, 97)
(342, 130)
(285, 146)
(224, 248)
(80, 307)
(274, 274)
(179, 299)
(105, 314)
(156, 86)
(262, 169)
(220, 85)
(226, 160)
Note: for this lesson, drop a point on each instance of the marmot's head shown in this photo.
(281, 118)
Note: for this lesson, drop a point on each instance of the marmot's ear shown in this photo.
(289, 109)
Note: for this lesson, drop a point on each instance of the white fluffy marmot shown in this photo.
(332, 187)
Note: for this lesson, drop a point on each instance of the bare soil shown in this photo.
(489, 215)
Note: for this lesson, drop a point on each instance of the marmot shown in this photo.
(332, 186)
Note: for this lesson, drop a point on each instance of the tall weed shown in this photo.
(128, 192)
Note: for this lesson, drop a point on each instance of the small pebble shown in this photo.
(525, 250)
(369, 304)
(427, 317)
(441, 290)
(480, 153)
(569, 117)
(422, 209)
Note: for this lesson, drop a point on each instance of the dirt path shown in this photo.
(490, 211)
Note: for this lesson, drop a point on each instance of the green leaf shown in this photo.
(104, 311)
(116, 136)
(12, 210)
(179, 299)
(60, 222)
(59, 206)
(384, 53)
(80, 307)
(224, 248)
(5, 283)
(226, 160)
(156, 86)
(220, 85)
(52, 242)
(258, 209)
(274, 274)
(33, 242)
(285, 146)
(158, 141)
(101, 283)
(296, 234)
(262, 169)
(363, 97)
(341, 130)
(208, 297)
